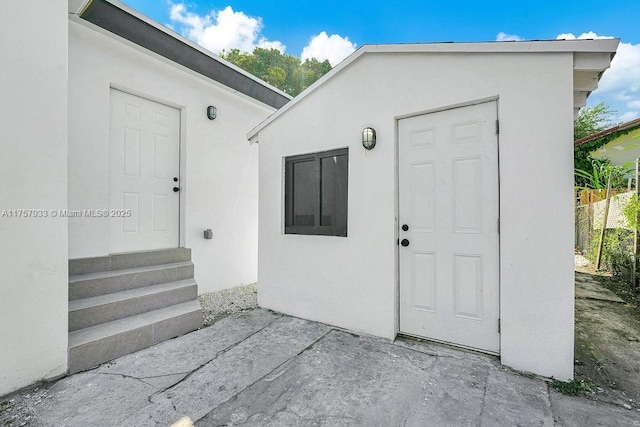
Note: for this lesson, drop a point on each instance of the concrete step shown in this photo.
(87, 312)
(107, 282)
(94, 345)
(123, 261)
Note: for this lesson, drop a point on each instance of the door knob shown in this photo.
(175, 179)
(404, 242)
(405, 227)
(176, 189)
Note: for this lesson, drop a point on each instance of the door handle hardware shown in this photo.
(176, 189)
(404, 242)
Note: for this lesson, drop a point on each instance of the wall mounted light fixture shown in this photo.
(212, 112)
(368, 138)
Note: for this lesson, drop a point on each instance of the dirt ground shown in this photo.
(607, 339)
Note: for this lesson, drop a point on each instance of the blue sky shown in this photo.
(332, 29)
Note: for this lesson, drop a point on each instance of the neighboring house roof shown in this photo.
(621, 127)
(129, 24)
(590, 59)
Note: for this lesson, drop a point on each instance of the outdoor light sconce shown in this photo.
(368, 138)
(212, 112)
(208, 234)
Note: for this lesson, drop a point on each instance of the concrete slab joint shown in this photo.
(263, 368)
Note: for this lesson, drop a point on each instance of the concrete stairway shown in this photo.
(122, 303)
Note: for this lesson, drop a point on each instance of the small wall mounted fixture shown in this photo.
(212, 112)
(208, 234)
(368, 138)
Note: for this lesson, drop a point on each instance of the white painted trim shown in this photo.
(447, 107)
(184, 188)
(599, 46)
(182, 163)
(397, 119)
(141, 94)
(449, 344)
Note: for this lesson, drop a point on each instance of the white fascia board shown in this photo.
(607, 46)
(597, 45)
(251, 136)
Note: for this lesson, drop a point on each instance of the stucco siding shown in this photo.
(352, 282)
(218, 166)
(33, 168)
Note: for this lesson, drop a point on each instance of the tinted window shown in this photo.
(316, 193)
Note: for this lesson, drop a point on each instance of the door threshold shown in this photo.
(403, 335)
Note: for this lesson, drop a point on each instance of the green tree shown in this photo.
(590, 120)
(286, 72)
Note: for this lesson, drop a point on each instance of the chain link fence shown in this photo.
(617, 248)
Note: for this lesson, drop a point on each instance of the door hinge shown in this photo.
(498, 325)
(498, 225)
(497, 127)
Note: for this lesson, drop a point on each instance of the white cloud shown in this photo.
(222, 29)
(620, 84)
(629, 115)
(504, 37)
(623, 78)
(334, 48)
(583, 36)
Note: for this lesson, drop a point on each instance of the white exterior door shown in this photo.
(449, 206)
(144, 169)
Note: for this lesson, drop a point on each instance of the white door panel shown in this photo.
(449, 199)
(144, 160)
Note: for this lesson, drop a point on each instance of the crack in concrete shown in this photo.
(143, 378)
(115, 374)
(427, 370)
(484, 397)
(556, 419)
(268, 373)
(218, 354)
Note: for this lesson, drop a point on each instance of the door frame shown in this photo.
(182, 158)
(397, 119)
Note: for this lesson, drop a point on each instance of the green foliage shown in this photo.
(574, 387)
(286, 72)
(631, 211)
(591, 120)
(597, 176)
(617, 251)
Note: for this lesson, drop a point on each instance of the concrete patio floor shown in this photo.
(262, 368)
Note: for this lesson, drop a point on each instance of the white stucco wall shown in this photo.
(352, 282)
(218, 167)
(33, 171)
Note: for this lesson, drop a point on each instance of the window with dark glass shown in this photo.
(316, 193)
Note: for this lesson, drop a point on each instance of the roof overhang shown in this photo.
(125, 22)
(590, 59)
